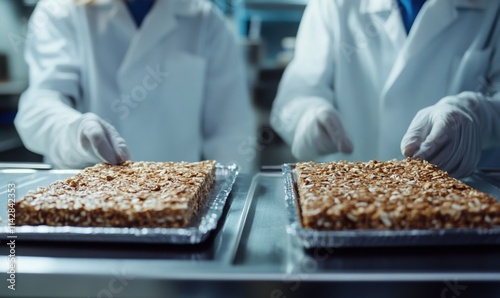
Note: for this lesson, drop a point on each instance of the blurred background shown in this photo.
(266, 31)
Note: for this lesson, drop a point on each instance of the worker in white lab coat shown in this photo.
(382, 79)
(147, 80)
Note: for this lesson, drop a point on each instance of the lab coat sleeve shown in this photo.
(490, 114)
(308, 80)
(229, 122)
(46, 107)
(491, 136)
(485, 105)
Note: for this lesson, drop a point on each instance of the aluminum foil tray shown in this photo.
(384, 238)
(204, 222)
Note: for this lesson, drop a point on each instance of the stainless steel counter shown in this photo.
(250, 255)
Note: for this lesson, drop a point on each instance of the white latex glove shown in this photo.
(320, 132)
(90, 140)
(446, 134)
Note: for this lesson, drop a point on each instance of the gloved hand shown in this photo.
(320, 132)
(447, 134)
(90, 140)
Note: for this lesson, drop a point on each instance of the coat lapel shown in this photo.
(117, 17)
(434, 17)
(432, 20)
(387, 14)
(149, 33)
(160, 22)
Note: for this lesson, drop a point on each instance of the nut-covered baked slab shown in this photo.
(408, 194)
(134, 194)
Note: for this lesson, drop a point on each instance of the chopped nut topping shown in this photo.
(407, 194)
(134, 194)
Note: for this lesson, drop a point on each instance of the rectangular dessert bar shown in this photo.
(134, 194)
(407, 194)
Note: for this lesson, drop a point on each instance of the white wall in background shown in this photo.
(12, 28)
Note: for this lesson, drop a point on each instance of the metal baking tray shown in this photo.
(385, 238)
(204, 222)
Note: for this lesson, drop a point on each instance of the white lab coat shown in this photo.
(174, 89)
(357, 55)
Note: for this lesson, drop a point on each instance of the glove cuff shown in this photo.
(469, 102)
(474, 104)
(284, 120)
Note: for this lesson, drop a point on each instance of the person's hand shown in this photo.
(320, 132)
(447, 135)
(92, 140)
